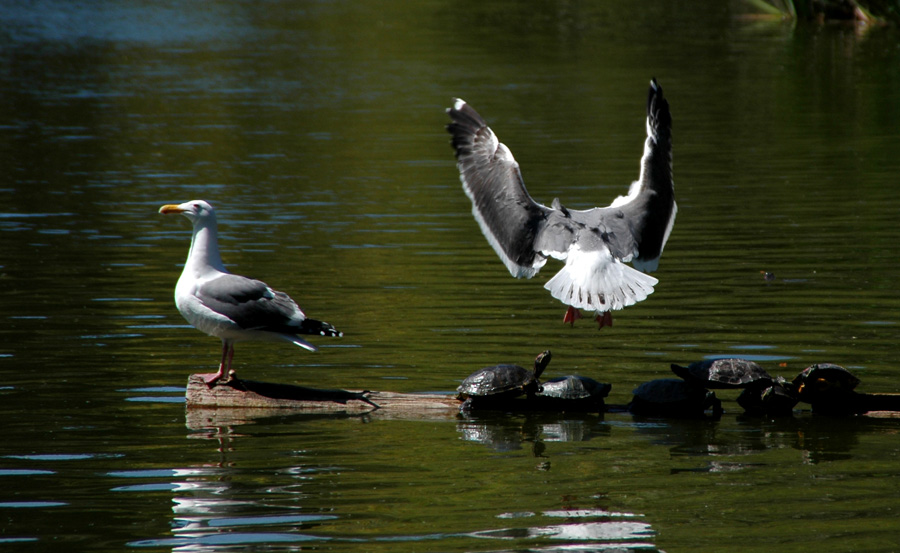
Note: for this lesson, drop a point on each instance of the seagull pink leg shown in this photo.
(571, 316)
(227, 354)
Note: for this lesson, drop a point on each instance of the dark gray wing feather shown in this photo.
(651, 212)
(251, 304)
(509, 218)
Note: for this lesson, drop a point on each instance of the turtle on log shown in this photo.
(493, 387)
(724, 373)
(572, 393)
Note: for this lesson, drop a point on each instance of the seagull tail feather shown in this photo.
(319, 328)
(297, 341)
(615, 287)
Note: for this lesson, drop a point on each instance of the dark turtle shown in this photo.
(673, 397)
(492, 387)
(572, 393)
(776, 399)
(824, 382)
(829, 389)
(724, 373)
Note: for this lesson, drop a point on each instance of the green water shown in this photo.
(316, 129)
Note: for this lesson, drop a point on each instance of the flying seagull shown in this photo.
(232, 307)
(596, 243)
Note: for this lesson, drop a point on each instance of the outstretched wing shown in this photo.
(650, 205)
(509, 218)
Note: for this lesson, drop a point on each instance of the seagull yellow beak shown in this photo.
(171, 208)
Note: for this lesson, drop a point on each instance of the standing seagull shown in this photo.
(596, 243)
(232, 307)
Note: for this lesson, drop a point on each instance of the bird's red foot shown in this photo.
(604, 319)
(571, 316)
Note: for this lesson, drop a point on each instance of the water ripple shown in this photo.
(227, 539)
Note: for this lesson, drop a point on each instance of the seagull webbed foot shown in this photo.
(571, 316)
(212, 379)
(604, 319)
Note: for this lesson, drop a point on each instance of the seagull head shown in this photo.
(195, 210)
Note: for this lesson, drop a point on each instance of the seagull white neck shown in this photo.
(204, 253)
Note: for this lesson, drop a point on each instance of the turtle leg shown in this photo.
(466, 407)
(717, 409)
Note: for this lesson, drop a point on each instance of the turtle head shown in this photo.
(541, 362)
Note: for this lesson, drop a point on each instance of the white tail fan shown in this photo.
(587, 282)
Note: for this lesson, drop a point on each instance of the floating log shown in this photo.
(238, 393)
(856, 403)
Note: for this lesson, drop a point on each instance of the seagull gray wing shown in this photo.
(251, 304)
(509, 218)
(650, 205)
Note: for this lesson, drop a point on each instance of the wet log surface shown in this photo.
(238, 393)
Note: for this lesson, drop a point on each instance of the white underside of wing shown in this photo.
(596, 281)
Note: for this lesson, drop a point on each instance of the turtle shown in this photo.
(724, 374)
(774, 399)
(572, 393)
(673, 397)
(493, 387)
(829, 388)
(824, 381)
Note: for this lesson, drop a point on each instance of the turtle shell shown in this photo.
(496, 380)
(724, 373)
(673, 397)
(574, 387)
(824, 379)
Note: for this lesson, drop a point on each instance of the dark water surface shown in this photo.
(316, 128)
